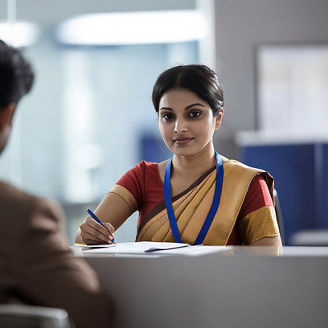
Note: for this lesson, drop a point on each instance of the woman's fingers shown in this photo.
(91, 239)
(94, 233)
(111, 229)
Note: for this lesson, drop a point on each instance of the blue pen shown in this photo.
(94, 216)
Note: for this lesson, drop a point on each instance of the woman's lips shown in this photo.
(182, 141)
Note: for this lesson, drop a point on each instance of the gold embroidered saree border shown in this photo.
(255, 226)
(126, 195)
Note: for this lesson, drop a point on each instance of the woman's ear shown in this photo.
(219, 118)
(6, 115)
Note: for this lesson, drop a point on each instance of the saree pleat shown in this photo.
(195, 202)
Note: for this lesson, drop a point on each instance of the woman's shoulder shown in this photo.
(144, 165)
(234, 165)
(145, 168)
(238, 172)
(143, 174)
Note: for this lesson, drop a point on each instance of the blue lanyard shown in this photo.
(212, 211)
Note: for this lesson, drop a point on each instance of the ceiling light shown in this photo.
(19, 34)
(133, 28)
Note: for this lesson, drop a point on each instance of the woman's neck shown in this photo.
(192, 167)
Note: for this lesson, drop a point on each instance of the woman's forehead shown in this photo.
(180, 97)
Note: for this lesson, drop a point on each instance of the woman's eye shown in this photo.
(194, 114)
(168, 116)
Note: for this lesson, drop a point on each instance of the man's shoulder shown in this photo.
(9, 191)
(16, 203)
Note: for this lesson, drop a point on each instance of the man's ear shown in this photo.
(219, 118)
(6, 115)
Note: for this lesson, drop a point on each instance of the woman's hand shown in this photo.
(93, 232)
(113, 207)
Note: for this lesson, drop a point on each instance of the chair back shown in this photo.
(28, 316)
(279, 215)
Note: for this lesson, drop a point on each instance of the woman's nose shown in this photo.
(180, 126)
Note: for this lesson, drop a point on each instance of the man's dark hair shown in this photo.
(197, 78)
(16, 75)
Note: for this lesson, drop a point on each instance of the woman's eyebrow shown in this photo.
(195, 104)
(189, 106)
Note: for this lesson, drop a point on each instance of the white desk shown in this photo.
(232, 289)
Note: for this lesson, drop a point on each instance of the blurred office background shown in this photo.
(90, 118)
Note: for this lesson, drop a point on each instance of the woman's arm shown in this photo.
(112, 211)
(275, 249)
(257, 222)
(272, 241)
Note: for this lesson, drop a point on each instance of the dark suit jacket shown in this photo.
(37, 266)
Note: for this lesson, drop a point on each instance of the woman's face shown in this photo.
(186, 122)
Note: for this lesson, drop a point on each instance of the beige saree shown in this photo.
(191, 208)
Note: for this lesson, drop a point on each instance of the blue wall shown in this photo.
(300, 180)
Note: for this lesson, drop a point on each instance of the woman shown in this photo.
(198, 197)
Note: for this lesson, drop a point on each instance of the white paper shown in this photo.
(197, 250)
(134, 248)
(164, 248)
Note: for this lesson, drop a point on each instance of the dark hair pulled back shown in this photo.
(197, 78)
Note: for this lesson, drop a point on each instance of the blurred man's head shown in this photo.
(16, 79)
